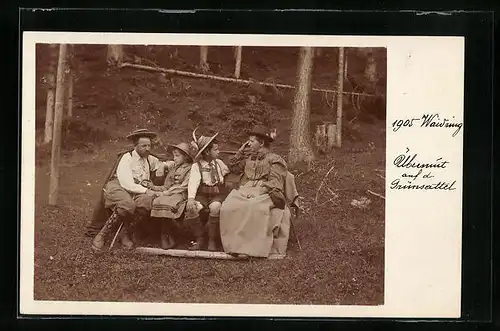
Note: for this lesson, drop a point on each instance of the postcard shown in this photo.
(241, 175)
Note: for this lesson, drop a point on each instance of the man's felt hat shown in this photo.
(183, 147)
(262, 132)
(141, 133)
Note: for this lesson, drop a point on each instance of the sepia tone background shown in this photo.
(342, 256)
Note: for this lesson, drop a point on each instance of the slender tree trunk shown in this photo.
(370, 69)
(300, 140)
(340, 99)
(115, 54)
(237, 67)
(58, 117)
(51, 80)
(69, 94)
(204, 59)
(70, 81)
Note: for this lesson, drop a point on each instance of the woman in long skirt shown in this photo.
(253, 218)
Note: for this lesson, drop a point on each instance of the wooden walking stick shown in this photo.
(292, 227)
(116, 235)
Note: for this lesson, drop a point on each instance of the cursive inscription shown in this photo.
(419, 175)
(407, 160)
(396, 185)
(428, 121)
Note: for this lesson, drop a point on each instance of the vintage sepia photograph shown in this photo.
(210, 174)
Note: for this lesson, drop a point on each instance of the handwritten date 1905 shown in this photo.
(407, 123)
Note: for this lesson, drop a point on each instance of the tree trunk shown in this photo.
(237, 67)
(58, 117)
(300, 140)
(49, 114)
(370, 70)
(115, 54)
(69, 94)
(340, 99)
(70, 81)
(204, 59)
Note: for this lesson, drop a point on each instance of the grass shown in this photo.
(341, 261)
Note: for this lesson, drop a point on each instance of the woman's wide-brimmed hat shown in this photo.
(262, 132)
(141, 133)
(183, 147)
(202, 142)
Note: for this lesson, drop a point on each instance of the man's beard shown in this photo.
(144, 154)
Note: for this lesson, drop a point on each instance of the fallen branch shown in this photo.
(223, 79)
(321, 184)
(197, 254)
(324, 203)
(380, 176)
(335, 195)
(376, 194)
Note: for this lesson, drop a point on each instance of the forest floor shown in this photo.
(342, 255)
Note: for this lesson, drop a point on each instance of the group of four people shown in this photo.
(249, 220)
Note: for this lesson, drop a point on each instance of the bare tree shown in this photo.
(204, 59)
(58, 117)
(115, 54)
(340, 90)
(51, 81)
(300, 140)
(70, 81)
(237, 67)
(370, 72)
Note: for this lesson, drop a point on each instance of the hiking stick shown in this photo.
(292, 228)
(116, 235)
(295, 233)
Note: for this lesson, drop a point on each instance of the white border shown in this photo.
(423, 237)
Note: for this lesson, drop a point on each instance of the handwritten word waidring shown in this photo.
(434, 121)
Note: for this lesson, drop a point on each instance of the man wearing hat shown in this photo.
(127, 191)
(206, 186)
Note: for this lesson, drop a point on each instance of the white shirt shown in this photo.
(132, 169)
(195, 176)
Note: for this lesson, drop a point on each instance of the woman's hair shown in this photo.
(185, 156)
(209, 147)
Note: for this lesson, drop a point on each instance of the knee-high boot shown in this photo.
(213, 232)
(125, 236)
(100, 238)
(199, 233)
(167, 234)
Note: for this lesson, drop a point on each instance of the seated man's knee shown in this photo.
(214, 208)
(141, 212)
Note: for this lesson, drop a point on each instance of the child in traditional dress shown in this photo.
(171, 203)
(206, 187)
